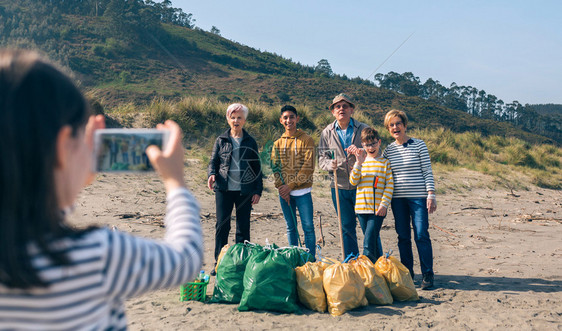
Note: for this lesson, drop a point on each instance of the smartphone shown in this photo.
(123, 150)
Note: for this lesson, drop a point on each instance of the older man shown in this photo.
(338, 143)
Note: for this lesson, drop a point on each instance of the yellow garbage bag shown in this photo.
(376, 288)
(329, 261)
(344, 288)
(398, 277)
(221, 254)
(310, 286)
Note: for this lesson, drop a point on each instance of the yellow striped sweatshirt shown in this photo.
(373, 170)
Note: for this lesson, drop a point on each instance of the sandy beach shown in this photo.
(497, 256)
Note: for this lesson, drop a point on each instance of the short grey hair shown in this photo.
(237, 107)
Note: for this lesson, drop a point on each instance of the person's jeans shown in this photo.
(371, 225)
(414, 211)
(304, 204)
(348, 222)
(225, 201)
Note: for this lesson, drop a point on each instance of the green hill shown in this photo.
(135, 51)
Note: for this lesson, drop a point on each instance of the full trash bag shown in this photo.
(297, 256)
(229, 284)
(310, 287)
(223, 251)
(344, 288)
(398, 277)
(376, 288)
(269, 283)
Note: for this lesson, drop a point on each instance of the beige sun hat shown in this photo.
(342, 97)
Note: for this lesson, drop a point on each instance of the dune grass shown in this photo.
(202, 119)
(494, 155)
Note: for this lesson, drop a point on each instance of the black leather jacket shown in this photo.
(250, 165)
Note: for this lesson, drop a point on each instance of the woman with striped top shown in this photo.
(373, 177)
(414, 194)
(53, 276)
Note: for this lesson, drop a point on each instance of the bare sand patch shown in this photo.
(497, 256)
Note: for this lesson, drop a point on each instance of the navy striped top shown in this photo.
(107, 268)
(411, 169)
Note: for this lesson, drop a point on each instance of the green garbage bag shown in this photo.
(269, 283)
(297, 256)
(230, 273)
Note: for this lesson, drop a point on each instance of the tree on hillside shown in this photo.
(323, 68)
(410, 84)
(215, 30)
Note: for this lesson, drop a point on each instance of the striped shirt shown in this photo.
(411, 168)
(372, 171)
(107, 267)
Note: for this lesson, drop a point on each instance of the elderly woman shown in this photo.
(414, 194)
(235, 175)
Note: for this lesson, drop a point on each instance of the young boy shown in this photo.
(373, 177)
(292, 162)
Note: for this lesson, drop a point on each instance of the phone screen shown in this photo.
(123, 150)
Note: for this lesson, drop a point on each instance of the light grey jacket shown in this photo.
(330, 141)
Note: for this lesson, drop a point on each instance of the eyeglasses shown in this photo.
(370, 145)
(342, 106)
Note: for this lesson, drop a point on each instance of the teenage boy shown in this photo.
(292, 161)
(338, 143)
(373, 176)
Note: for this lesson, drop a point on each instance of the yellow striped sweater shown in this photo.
(373, 170)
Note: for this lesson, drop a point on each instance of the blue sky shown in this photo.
(511, 49)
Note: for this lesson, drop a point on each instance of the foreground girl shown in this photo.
(53, 276)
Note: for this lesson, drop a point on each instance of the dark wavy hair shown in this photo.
(36, 101)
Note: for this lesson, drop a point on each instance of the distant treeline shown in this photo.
(42, 21)
(547, 109)
(42, 25)
(133, 10)
(475, 102)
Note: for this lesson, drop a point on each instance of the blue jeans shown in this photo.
(414, 211)
(304, 204)
(371, 225)
(348, 222)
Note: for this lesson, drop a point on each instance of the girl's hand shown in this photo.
(381, 211)
(94, 123)
(169, 162)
